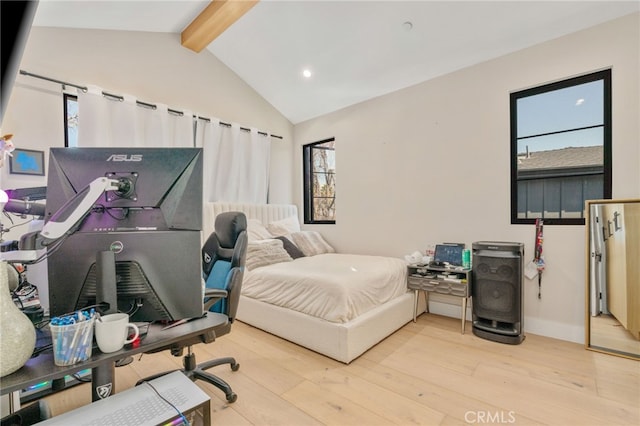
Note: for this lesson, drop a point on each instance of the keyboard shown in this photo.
(140, 405)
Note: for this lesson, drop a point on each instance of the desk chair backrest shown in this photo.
(223, 260)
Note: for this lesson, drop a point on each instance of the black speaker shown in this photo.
(498, 299)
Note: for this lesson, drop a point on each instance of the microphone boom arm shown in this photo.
(65, 220)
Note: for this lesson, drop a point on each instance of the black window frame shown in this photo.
(65, 98)
(307, 155)
(605, 77)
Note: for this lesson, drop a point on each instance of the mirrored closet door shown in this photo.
(613, 277)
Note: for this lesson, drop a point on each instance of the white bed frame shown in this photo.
(341, 341)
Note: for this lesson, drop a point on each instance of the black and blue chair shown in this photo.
(223, 261)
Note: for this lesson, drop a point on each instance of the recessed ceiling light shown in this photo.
(306, 73)
(408, 25)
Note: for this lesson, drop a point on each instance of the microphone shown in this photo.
(24, 208)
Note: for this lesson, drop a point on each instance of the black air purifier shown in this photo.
(498, 299)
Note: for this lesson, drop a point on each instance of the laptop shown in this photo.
(447, 255)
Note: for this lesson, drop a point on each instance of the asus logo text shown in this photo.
(125, 157)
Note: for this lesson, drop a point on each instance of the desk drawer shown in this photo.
(459, 289)
(422, 283)
(455, 289)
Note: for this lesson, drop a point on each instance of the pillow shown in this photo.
(290, 248)
(285, 226)
(311, 243)
(257, 231)
(266, 252)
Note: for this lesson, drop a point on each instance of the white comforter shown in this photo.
(336, 287)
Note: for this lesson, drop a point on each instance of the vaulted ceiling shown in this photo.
(353, 50)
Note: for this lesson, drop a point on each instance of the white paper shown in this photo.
(531, 270)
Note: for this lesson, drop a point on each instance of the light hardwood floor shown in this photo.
(607, 332)
(425, 373)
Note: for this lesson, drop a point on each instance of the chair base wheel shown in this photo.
(231, 398)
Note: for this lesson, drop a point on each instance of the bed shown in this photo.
(363, 298)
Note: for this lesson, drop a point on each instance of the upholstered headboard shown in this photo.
(265, 213)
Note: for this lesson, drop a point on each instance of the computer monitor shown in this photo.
(448, 254)
(150, 227)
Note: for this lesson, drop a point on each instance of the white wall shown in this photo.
(154, 67)
(431, 163)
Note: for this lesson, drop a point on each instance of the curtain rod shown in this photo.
(139, 103)
(63, 83)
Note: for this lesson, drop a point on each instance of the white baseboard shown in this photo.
(449, 306)
(541, 327)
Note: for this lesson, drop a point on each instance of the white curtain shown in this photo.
(236, 162)
(107, 122)
(208, 138)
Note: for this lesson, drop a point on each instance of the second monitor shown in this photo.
(151, 225)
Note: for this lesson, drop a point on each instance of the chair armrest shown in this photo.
(212, 295)
(215, 292)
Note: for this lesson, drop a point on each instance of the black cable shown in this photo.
(50, 250)
(167, 401)
(81, 379)
(135, 306)
(17, 296)
(37, 351)
(17, 224)
(106, 210)
(41, 324)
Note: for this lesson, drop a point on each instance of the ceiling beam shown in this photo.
(213, 21)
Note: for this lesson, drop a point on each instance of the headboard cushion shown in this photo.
(265, 213)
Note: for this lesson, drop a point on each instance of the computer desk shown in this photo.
(42, 368)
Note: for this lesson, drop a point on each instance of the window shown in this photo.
(70, 120)
(319, 168)
(560, 149)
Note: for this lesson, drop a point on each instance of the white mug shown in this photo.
(111, 332)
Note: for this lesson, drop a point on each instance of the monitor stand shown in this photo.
(107, 289)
